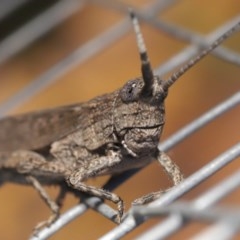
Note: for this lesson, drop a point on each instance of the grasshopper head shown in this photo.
(138, 114)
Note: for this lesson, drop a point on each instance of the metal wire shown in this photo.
(8, 7)
(176, 221)
(227, 222)
(40, 25)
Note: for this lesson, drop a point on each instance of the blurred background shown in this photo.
(35, 36)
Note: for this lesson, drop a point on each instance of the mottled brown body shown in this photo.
(78, 134)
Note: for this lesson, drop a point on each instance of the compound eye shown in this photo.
(130, 91)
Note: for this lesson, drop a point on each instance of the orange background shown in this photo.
(204, 86)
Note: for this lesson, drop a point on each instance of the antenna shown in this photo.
(175, 76)
(147, 72)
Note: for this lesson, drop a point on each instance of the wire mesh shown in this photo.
(51, 59)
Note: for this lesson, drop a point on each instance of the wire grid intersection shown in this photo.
(225, 220)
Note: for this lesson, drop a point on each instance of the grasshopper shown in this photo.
(109, 134)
